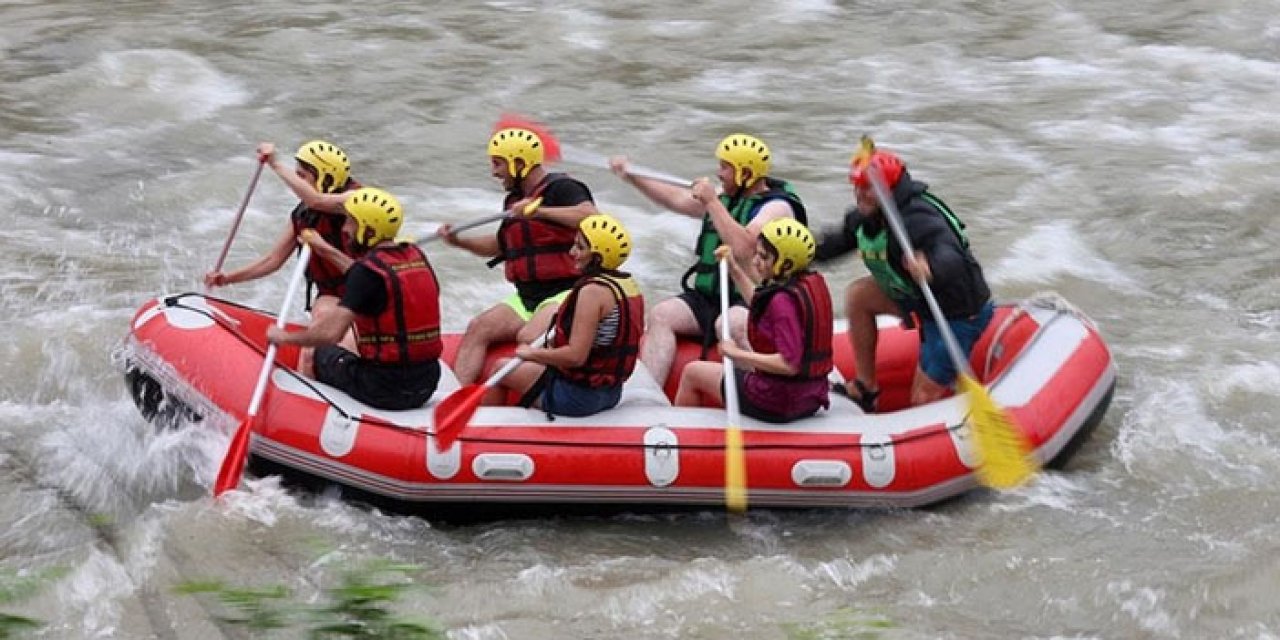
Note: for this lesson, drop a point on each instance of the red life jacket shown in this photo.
(325, 277)
(809, 290)
(608, 365)
(535, 249)
(408, 329)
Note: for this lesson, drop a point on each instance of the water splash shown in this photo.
(1055, 249)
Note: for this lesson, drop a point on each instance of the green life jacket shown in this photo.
(705, 273)
(875, 253)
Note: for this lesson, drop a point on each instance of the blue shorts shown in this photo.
(565, 398)
(935, 362)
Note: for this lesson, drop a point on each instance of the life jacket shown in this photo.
(609, 365)
(705, 274)
(408, 329)
(323, 277)
(813, 299)
(535, 249)
(874, 248)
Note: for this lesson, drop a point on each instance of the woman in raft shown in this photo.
(596, 335)
(790, 334)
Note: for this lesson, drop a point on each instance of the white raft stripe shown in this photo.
(1042, 358)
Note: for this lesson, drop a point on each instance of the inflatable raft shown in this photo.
(191, 357)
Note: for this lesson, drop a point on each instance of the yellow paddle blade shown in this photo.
(735, 471)
(1004, 453)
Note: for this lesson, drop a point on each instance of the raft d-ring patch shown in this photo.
(661, 456)
(962, 440)
(878, 465)
(338, 433)
(443, 465)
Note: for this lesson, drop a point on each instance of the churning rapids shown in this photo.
(1122, 154)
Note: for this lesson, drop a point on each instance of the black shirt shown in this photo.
(366, 295)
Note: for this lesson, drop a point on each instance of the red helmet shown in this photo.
(890, 167)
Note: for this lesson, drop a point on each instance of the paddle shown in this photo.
(238, 451)
(595, 160)
(235, 226)
(483, 220)
(735, 462)
(1003, 450)
(454, 412)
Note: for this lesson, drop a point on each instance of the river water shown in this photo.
(1123, 154)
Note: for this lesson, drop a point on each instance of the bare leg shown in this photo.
(497, 323)
(667, 319)
(700, 380)
(737, 326)
(924, 390)
(519, 380)
(322, 306)
(538, 324)
(863, 301)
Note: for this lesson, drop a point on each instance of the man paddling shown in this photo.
(533, 242)
(393, 298)
(942, 258)
(749, 199)
(321, 178)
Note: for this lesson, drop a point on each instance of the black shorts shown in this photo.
(533, 294)
(378, 385)
(706, 311)
(745, 405)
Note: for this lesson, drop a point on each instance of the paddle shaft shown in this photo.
(595, 160)
(735, 459)
(517, 361)
(235, 226)
(890, 210)
(730, 385)
(528, 210)
(470, 224)
(294, 283)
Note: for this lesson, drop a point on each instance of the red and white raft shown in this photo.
(198, 357)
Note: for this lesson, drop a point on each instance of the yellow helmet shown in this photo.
(792, 241)
(512, 143)
(329, 162)
(374, 210)
(744, 152)
(608, 239)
